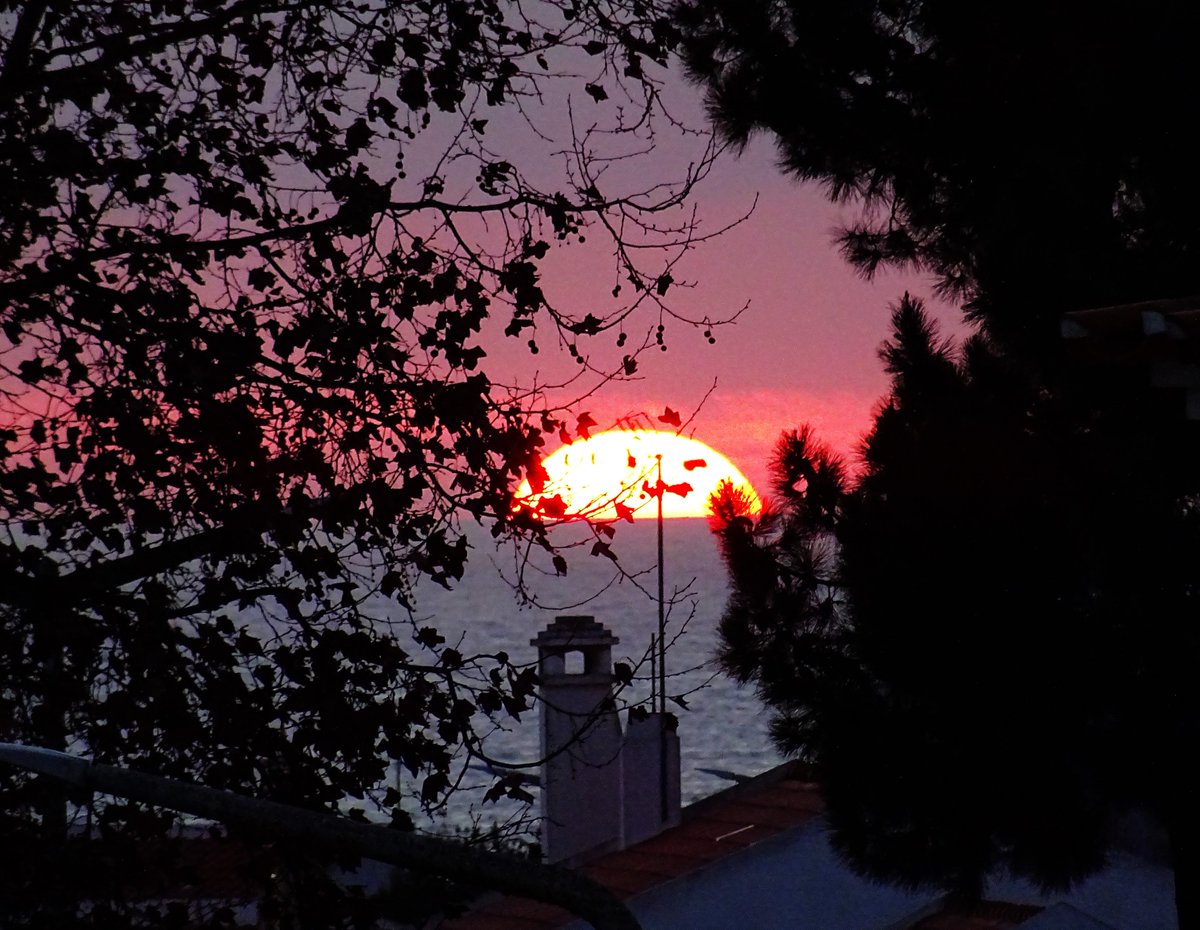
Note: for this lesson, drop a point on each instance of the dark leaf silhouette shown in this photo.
(554, 507)
(246, 405)
(584, 425)
(604, 549)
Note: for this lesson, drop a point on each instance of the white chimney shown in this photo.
(600, 790)
(581, 739)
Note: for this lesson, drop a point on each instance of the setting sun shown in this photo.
(612, 476)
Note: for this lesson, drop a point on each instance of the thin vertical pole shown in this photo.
(662, 662)
(662, 623)
(653, 673)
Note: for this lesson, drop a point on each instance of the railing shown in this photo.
(327, 832)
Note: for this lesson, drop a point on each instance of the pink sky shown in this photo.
(804, 351)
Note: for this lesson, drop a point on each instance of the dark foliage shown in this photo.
(1016, 562)
(242, 389)
(1030, 155)
(982, 640)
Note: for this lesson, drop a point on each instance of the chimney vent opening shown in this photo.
(574, 663)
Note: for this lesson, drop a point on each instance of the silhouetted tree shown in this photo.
(1030, 155)
(1017, 557)
(249, 250)
(983, 638)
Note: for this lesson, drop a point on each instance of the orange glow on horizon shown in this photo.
(612, 475)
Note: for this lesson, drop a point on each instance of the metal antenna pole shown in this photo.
(653, 673)
(662, 662)
(662, 623)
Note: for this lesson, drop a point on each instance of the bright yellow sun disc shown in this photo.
(612, 475)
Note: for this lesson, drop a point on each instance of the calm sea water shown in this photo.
(723, 727)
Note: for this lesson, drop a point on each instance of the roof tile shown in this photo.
(716, 827)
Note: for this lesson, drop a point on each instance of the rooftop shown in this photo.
(712, 829)
(758, 853)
